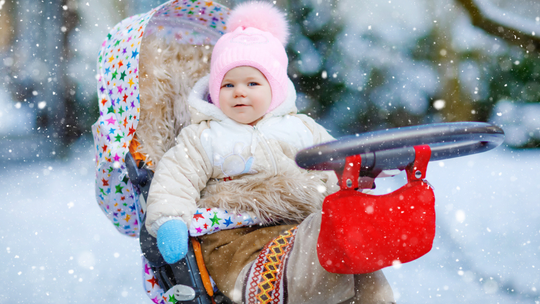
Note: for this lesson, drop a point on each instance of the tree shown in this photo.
(515, 75)
(361, 66)
(493, 21)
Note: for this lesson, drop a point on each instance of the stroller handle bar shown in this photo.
(394, 148)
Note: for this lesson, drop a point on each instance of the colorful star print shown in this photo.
(119, 104)
(118, 89)
(198, 215)
(153, 281)
(210, 220)
(215, 220)
(172, 299)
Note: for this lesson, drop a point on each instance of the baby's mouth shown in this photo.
(240, 105)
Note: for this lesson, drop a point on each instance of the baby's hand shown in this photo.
(172, 239)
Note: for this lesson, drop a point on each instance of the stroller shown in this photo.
(142, 55)
(143, 74)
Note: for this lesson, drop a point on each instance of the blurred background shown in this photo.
(358, 65)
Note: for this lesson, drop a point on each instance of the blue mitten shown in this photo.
(172, 240)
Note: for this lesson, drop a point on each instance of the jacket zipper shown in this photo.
(267, 147)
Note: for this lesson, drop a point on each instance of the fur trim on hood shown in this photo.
(202, 109)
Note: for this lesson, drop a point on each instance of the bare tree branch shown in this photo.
(518, 36)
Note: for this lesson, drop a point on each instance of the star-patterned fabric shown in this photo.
(150, 284)
(210, 220)
(205, 221)
(185, 21)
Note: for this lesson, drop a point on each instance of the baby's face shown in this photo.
(245, 95)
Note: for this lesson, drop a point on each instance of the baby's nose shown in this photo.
(239, 91)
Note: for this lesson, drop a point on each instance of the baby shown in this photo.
(237, 158)
(245, 95)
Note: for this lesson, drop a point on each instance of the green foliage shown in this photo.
(516, 76)
(364, 83)
(347, 94)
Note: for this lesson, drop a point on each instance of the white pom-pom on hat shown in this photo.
(261, 15)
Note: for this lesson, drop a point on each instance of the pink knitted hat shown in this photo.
(257, 34)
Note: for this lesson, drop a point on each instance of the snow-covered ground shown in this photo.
(487, 247)
(56, 246)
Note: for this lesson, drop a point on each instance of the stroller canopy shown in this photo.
(186, 21)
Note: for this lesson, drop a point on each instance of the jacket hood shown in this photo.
(201, 108)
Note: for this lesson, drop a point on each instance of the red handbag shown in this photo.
(362, 233)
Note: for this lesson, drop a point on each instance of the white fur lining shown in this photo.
(289, 105)
(197, 100)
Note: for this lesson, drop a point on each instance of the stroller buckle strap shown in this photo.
(351, 172)
(417, 170)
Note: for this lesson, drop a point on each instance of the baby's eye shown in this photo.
(251, 84)
(228, 85)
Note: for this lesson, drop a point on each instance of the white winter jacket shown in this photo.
(218, 162)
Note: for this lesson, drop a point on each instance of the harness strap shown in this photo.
(417, 170)
(202, 267)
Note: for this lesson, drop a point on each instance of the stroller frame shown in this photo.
(183, 278)
(122, 185)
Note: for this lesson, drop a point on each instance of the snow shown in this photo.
(55, 243)
(397, 22)
(15, 118)
(520, 17)
(521, 121)
(58, 247)
(487, 246)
